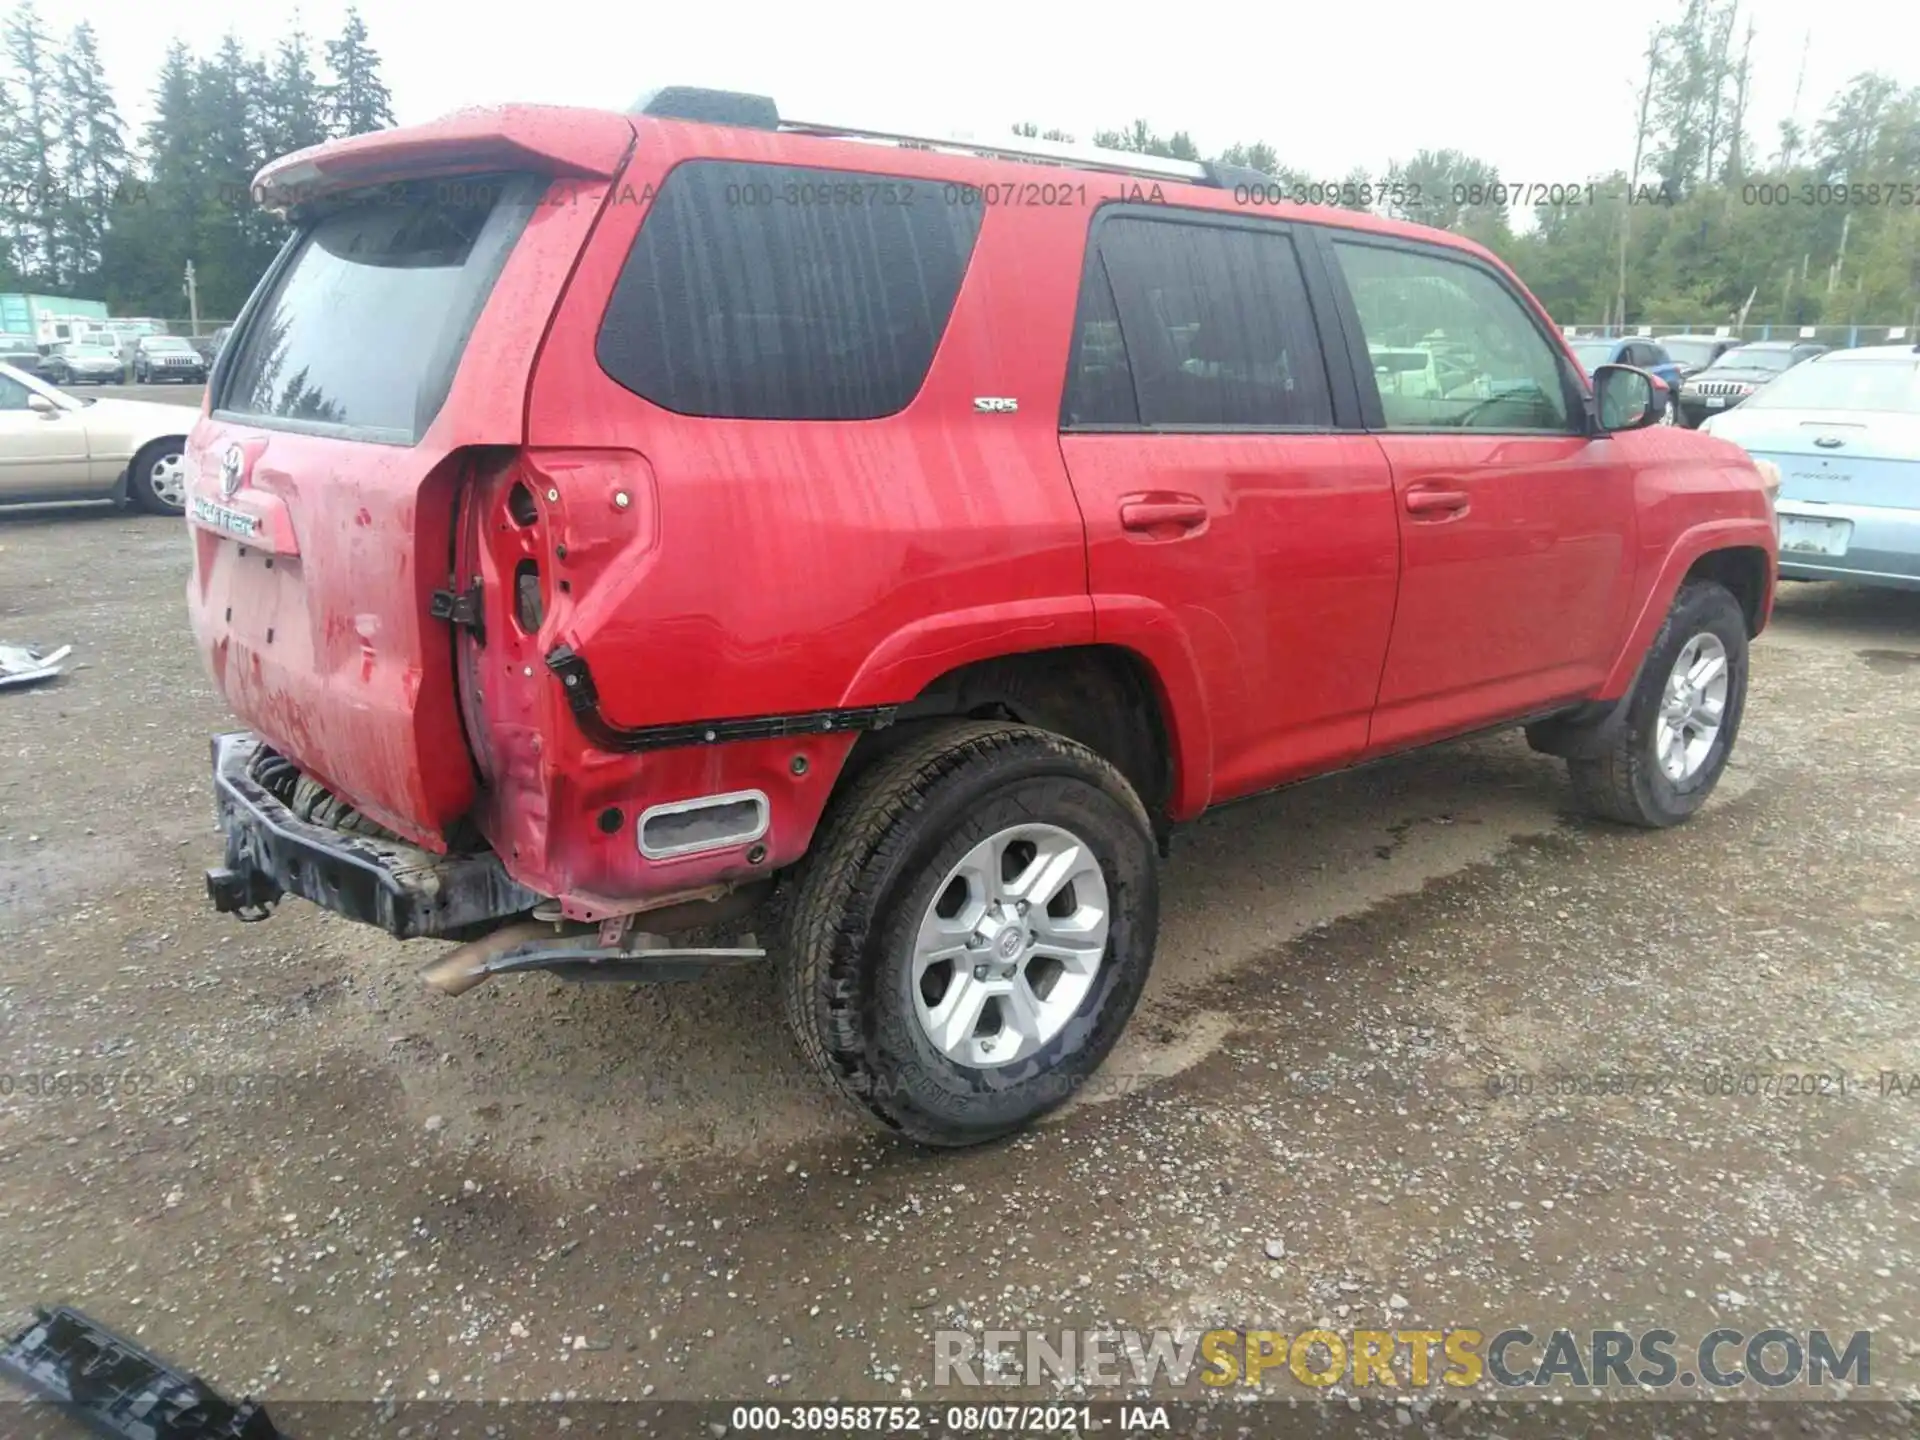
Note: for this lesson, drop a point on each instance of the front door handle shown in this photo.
(1430, 502)
(1151, 515)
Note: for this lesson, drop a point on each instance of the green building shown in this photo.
(48, 319)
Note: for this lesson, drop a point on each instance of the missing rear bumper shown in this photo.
(406, 891)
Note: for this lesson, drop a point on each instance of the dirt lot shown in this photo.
(612, 1191)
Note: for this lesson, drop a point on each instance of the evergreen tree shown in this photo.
(357, 100)
(94, 164)
(294, 105)
(29, 147)
(151, 232)
(230, 248)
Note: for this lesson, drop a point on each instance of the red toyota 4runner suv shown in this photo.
(629, 535)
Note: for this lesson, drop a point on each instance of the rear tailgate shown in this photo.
(385, 356)
(1839, 457)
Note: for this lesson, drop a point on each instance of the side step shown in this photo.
(115, 1388)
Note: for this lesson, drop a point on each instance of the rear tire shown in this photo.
(1674, 745)
(158, 482)
(891, 882)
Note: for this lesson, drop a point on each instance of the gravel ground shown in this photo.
(607, 1191)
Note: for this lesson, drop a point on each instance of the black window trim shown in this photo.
(900, 178)
(1579, 400)
(1342, 394)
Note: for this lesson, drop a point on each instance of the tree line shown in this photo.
(1699, 227)
(86, 209)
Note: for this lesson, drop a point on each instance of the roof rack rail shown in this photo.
(1018, 147)
(758, 112)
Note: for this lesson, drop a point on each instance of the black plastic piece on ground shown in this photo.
(115, 1388)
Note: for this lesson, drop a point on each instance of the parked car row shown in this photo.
(98, 360)
(1703, 375)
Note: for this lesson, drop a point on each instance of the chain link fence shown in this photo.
(1837, 337)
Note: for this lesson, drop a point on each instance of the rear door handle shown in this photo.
(1149, 515)
(1429, 502)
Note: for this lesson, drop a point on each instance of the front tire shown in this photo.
(1682, 718)
(971, 930)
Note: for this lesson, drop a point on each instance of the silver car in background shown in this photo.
(55, 446)
(1844, 428)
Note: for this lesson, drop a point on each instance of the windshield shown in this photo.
(94, 351)
(1593, 352)
(1748, 358)
(1689, 352)
(168, 344)
(1888, 385)
(368, 317)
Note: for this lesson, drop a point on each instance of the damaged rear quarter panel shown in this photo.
(331, 655)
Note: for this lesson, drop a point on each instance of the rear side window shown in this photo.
(772, 292)
(366, 321)
(1184, 325)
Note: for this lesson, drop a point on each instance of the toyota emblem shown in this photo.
(231, 465)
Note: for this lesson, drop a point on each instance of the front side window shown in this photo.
(13, 395)
(1488, 366)
(775, 292)
(1209, 325)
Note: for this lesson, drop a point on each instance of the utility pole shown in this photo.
(1840, 258)
(1714, 101)
(1639, 148)
(193, 301)
(1736, 162)
(1793, 115)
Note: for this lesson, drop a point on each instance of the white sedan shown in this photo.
(55, 446)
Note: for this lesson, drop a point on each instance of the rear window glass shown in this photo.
(1892, 385)
(365, 323)
(1751, 357)
(764, 292)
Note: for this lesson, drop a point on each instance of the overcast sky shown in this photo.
(1544, 92)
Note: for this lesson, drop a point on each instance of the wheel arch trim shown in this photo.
(1692, 545)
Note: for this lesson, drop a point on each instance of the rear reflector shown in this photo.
(713, 822)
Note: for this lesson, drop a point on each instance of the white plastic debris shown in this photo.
(27, 664)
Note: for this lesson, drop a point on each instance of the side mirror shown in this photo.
(42, 406)
(1623, 398)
